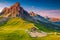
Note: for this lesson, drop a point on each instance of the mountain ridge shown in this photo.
(17, 11)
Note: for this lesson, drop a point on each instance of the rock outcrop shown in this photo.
(32, 14)
(13, 11)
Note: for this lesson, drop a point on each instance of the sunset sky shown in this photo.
(50, 8)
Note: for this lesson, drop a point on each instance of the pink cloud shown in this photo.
(49, 13)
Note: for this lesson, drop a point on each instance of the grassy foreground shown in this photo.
(22, 35)
(15, 29)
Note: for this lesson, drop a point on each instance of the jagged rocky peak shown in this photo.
(12, 11)
(16, 6)
(32, 14)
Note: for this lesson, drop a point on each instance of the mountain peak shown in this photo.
(15, 11)
(32, 14)
(12, 11)
(17, 4)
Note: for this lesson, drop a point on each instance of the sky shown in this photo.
(50, 8)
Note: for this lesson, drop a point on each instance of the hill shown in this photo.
(16, 29)
(17, 24)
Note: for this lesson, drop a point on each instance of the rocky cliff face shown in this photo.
(14, 11)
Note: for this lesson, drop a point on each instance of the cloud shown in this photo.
(49, 13)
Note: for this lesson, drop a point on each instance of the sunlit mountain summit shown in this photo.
(19, 24)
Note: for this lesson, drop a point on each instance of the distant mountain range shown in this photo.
(52, 19)
(17, 11)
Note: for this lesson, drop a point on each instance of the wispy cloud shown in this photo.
(49, 13)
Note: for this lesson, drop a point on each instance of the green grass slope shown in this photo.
(41, 27)
(15, 29)
(15, 24)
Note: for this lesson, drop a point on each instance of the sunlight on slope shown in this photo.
(22, 35)
(51, 37)
(15, 29)
(15, 24)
